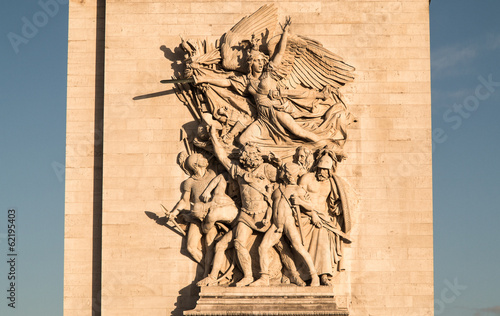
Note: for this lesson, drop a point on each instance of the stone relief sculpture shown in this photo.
(328, 208)
(263, 203)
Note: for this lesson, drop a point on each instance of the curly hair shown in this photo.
(244, 152)
(253, 55)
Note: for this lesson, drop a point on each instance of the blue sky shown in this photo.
(465, 46)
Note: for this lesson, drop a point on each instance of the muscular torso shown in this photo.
(289, 191)
(318, 191)
(253, 184)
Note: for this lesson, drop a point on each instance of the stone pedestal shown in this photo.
(272, 300)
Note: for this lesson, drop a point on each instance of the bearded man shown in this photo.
(254, 178)
(327, 207)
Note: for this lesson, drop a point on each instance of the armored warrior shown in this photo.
(254, 178)
(330, 221)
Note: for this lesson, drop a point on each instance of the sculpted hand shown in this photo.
(316, 220)
(337, 209)
(288, 21)
(294, 200)
(171, 215)
(205, 197)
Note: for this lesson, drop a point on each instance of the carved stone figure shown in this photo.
(191, 190)
(203, 209)
(329, 220)
(284, 222)
(304, 158)
(277, 91)
(254, 178)
(263, 97)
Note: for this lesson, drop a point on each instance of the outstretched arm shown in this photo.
(282, 43)
(220, 153)
(308, 209)
(220, 82)
(183, 204)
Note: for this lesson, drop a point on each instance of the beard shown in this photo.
(252, 163)
(321, 177)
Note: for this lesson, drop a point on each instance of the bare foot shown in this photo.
(295, 279)
(314, 280)
(208, 281)
(245, 281)
(261, 282)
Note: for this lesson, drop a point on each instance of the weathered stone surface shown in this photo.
(390, 267)
(275, 300)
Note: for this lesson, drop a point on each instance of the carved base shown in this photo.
(270, 300)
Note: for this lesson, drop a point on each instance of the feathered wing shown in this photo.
(262, 23)
(306, 62)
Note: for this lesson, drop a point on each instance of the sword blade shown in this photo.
(174, 221)
(188, 80)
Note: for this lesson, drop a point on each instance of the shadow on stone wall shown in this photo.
(98, 158)
(175, 56)
(188, 296)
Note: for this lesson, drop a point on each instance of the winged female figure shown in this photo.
(290, 83)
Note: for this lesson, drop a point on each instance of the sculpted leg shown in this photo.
(287, 120)
(270, 239)
(209, 251)
(286, 257)
(242, 234)
(193, 238)
(249, 134)
(220, 248)
(294, 237)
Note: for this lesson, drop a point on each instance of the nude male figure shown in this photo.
(284, 222)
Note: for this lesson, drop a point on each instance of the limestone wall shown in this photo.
(85, 98)
(144, 272)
